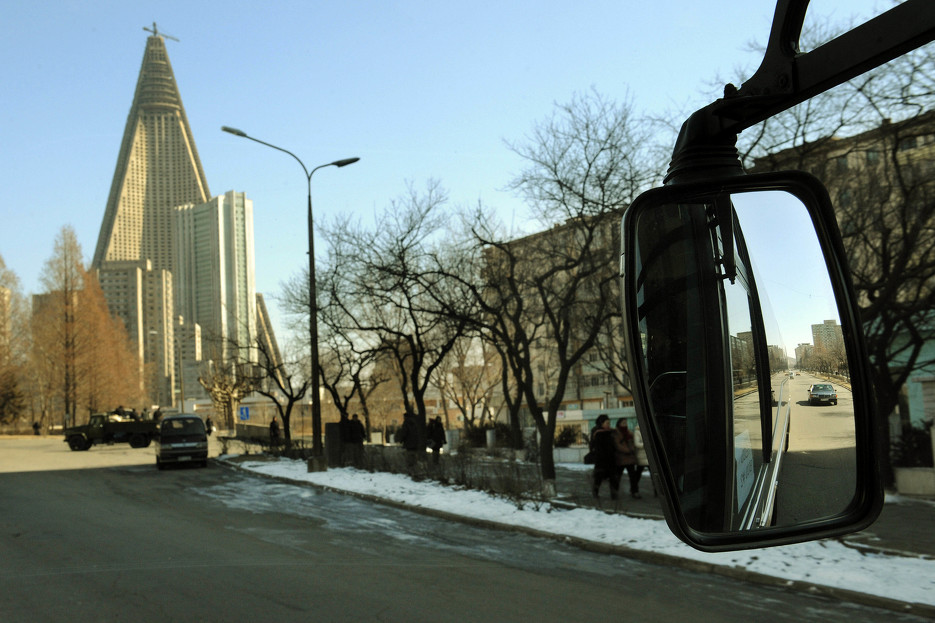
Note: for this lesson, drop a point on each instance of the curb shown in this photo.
(737, 573)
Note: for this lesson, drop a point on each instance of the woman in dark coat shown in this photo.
(605, 463)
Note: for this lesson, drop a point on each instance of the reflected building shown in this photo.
(828, 336)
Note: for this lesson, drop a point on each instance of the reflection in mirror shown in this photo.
(736, 316)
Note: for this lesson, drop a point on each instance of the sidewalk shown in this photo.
(906, 526)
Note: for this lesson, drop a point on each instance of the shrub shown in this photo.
(567, 436)
(914, 447)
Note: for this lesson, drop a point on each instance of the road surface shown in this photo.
(103, 536)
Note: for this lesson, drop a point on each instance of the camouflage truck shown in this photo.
(111, 428)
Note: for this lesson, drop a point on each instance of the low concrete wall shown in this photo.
(915, 481)
(252, 432)
(573, 454)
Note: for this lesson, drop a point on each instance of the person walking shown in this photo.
(274, 432)
(411, 436)
(437, 438)
(625, 456)
(357, 435)
(605, 468)
(344, 432)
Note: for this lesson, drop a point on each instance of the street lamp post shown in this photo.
(312, 298)
(178, 355)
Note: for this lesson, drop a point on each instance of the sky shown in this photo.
(794, 289)
(827, 562)
(418, 90)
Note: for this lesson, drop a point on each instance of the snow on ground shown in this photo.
(826, 562)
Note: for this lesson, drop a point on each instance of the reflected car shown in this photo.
(181, 439)
(821, 393)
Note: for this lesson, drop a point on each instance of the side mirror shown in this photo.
(729, 287)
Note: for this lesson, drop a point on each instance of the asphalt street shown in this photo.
(103, 536)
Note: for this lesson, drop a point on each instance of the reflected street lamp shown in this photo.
(312, 298)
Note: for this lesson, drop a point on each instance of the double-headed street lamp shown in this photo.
(312, 299)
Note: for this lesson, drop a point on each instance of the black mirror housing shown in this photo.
(729, 432)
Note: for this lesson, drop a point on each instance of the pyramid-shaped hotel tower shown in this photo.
(166, 290)
(158, 169)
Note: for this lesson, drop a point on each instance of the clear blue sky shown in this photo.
(417, 89)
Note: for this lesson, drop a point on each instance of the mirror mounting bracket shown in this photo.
(724, 222)
(706, 146)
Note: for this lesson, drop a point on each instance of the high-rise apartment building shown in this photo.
(828, 336)
(215, 279)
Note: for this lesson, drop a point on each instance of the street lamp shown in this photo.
(312, 299)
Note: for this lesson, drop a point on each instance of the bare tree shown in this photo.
(545, 299)
(81, 356)
(386, 291)
(107, 370)
(14, 347)
(227, 383)
(470, 378)
(349, 370)
(62, 279)
(285, 383)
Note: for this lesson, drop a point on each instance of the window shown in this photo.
(906, 144)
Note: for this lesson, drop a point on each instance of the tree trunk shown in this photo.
(546, 457)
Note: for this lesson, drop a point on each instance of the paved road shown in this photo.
(103, 536)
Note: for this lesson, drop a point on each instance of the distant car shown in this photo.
(181, 438)
(820, 393)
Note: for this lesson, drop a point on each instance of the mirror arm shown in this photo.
(706, 145)
(787, 77)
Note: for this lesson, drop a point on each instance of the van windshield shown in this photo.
(188, 426)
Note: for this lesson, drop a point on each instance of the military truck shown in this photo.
(111, 428)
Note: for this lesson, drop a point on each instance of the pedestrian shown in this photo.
(209, 425)
(411, 436)
(35, 428)
(436, 435)
(625, 456)
(274, 432)
(601, 444)
(357, 434)
(344, 432)
(642, 461)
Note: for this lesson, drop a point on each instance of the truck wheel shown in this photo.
(77, 442)
(137, 441)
